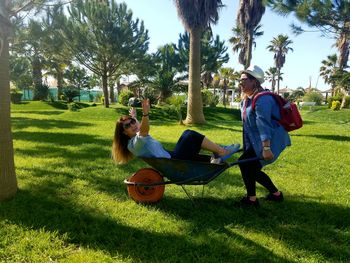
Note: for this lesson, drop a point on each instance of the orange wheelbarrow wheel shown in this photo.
(146, 194)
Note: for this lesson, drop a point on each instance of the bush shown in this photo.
(336, 97)
(176, 102)
(209, 99)
(313, 97)
(16, 95)
(41, 92)
(347, 102)
(151, 94)
(336, 105)
(98, 97)
(124, 96)
(73, 106)
(70, 92)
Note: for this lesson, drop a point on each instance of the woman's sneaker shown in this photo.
(275, 198)
(230, 148)
(246, 202)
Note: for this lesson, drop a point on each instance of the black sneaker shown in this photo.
(246, 202)
(275, 198)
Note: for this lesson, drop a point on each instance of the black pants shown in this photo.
(251, 173)
(188, 146)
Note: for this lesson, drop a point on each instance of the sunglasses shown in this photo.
(127, 125)
(243, 80)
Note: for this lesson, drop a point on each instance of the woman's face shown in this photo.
(247, 84)
(131, 127)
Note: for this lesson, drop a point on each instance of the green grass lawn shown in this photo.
(72, 205)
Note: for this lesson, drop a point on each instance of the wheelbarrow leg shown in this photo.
(189, 197)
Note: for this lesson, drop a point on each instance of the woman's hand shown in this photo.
(145, 106)
(267, 155)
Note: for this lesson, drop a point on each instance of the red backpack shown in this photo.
(290, 116)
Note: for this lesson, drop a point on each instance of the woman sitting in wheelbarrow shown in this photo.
(132, 138)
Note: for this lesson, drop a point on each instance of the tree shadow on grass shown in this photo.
(87, 226)
(24, 122)
(338, 138)
(307, 225)
(219, 113)
(60, 139)
(36, 112)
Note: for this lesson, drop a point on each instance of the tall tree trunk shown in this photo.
(111, 92)
(194, 103)
(105, 90)
(278, 80)
(249, 48)
(224, 95)
(8, 181)
(343, 91)
(60, 82)
(273, 84)
(37, 79)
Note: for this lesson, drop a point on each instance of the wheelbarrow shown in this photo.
(147, 185)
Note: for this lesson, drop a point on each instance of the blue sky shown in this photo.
(164, 26)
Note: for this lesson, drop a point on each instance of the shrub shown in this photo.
(347, 102)
(70, 92)
(41, 92)
(335, 105)
(98, 97)
(336, 97)
(124, 96)
(73, 106)
(151, 94)
(176, 102)
(16, 95)
(313, 97)
(209, 99)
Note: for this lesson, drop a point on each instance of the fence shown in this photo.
(84, 95)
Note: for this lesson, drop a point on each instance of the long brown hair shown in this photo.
(120, 152)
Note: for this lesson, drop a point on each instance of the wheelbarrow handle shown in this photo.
(244, 161)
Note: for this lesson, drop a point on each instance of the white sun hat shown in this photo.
(256, 72)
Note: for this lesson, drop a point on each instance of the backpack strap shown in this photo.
(263, 93)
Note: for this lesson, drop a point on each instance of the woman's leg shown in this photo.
(191, 142)
(213, 147)
(251, 173)
(188, 146)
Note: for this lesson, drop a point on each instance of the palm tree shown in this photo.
(280, 47)
(196, 17)
(271, 76)
(238, 42)
(248, 18)
(328, 70)
(226, 76)
(297, 94)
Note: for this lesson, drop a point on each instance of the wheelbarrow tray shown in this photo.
(187, 172)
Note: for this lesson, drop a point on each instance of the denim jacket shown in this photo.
(261, 125)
